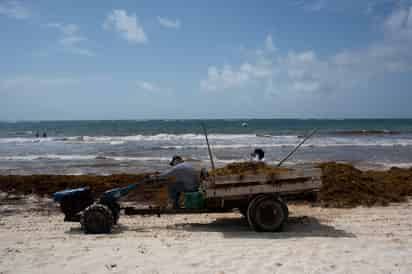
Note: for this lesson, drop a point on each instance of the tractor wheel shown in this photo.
(115, 208)
(267, 213)
(97, 218)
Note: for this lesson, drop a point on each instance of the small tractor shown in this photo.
(259, 197)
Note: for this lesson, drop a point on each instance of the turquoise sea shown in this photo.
(104, 147)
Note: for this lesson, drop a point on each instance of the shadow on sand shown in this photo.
(296, 227)
(117, 229)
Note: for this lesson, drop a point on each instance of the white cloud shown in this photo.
(70, 39)
(391, 54)
(227, 77)
(127, 25)
(148, 86)
(68, 29)
(301, 71)
(14, 9)
(168, 23)
(145, 86)
(305, 71)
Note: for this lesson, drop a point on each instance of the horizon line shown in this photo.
(200, 119)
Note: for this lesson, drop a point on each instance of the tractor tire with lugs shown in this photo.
(97, 219)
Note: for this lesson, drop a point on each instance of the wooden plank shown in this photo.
(287, 187)
(296, 173)
(314, 173)
(233, 179)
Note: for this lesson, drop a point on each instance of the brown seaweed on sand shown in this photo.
(243, 168)
(342, 184)
(345, 186)
(48, 184)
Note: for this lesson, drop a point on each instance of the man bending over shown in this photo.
(186, 179)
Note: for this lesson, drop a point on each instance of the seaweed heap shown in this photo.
(345, 186)
(48, 184)
(242, 168)
(342, 184)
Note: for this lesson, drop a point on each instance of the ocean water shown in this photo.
(105, 147)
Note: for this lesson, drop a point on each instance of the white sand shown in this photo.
(34, 239)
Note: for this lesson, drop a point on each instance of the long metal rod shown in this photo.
(208, 146)
(158, 211)
(298, 146)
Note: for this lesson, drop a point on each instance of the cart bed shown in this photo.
(292, 181)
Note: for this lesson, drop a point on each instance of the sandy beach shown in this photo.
(34, 239)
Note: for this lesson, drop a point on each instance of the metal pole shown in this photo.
(208, 146)
(297, 147)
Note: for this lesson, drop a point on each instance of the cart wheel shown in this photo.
(251, 210)
(285, 208)
(266, 213)
(97, 218)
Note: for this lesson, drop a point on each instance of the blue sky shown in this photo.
(205, 59)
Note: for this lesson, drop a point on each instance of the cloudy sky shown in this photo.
(205, 59)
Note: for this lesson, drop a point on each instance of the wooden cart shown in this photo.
(260, 198)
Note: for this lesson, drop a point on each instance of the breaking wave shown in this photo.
(131, 138)
(367, 132)
(63, 157)
(218, 141)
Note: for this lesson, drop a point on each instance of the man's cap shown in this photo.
(176, 158)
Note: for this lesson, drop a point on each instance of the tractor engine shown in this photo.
(73, 201)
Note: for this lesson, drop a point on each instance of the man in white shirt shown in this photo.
(258, 155)
(186, 179)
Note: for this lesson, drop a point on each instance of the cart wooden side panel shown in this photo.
(286, 182)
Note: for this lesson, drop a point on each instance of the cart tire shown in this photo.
(267, 213)
(251, 209)
(285, 208)
(281, 200)
(97, 219)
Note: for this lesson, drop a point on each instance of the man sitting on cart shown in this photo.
(186, 179)
(258, 155)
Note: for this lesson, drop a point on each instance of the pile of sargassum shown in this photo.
(342, 184)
